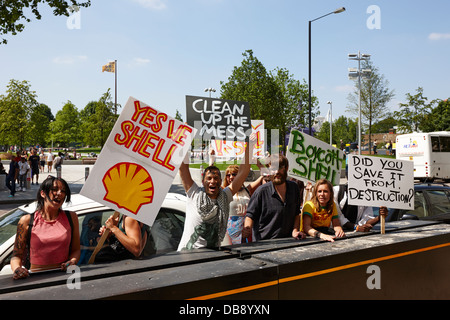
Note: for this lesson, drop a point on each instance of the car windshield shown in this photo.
(8, 224)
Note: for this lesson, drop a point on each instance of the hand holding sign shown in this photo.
(145, 145)
(380, 182)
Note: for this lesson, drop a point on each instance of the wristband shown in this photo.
(317, 234)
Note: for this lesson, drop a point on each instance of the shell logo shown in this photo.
(129, 186)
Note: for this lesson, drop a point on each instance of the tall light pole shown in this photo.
(358, 74)
(342, 9)
(210, 90)
(331, 122)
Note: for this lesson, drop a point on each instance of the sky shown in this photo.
(167, 49)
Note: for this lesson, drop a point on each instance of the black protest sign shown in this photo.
(219, 119)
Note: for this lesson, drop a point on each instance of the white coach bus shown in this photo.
(429, 151)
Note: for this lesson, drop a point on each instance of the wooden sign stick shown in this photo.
(383, 219)
(101, 241)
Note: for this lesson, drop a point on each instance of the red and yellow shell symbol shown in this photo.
(129, 186)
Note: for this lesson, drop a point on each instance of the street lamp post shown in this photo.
(342, 9)
(358, 74)
(210, 90)
(331, 122)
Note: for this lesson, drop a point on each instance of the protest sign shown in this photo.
(311, 159)
(377, 182)
(145, 147)
(219, 119)
(226, 150)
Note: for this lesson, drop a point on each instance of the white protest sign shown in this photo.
(235, 149)
(139, 161)
(311, 159)
(376, 182)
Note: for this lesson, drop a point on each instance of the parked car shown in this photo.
(165, 233)
(431, 202)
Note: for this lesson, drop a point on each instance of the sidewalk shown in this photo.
(73, 174)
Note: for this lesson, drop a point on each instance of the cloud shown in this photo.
(140, 61)
(69, 59)
(152, 4)
(439, 36)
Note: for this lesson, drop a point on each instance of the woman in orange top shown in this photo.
(54, 240)
(320, 211)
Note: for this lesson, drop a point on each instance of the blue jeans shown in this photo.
(11, 184)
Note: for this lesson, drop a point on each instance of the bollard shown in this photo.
(58, 172)
(86, 173)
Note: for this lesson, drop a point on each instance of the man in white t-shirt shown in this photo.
(207, 207)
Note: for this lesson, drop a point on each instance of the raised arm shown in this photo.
(244, 167)
(185, 173)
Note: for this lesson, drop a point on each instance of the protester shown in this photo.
(207, 207)
(49, 160)
(24, 167)
(238, 207)
(126, 240)
(50, 236)
(274, 206)
(320, 212)
(34, 160)
(11, 177)
(42, 160)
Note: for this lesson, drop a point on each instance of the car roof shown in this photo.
(79, 204)
(431, 186)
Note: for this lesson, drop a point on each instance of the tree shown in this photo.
(15, 110)
(385, 125)
(39, 124)
(98, 118)
(178, 116)
(414, 115)
(438, 119)
(290, 106)
(12, 13)
(273, 97)
(375, 95)
(343, 128)
(65, 128)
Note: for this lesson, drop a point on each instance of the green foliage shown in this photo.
(15, 112)
(65, 128)
(438, 119)
(416, 113)
(12, 13)
(98, 118)
(343, 128)
(273, 96)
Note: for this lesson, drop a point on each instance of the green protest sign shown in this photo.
(311, 159)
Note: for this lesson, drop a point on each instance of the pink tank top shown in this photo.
(50, 241)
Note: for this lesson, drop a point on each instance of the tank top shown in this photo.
(50, 240)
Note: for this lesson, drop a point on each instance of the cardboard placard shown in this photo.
(227, 150)
(145, 147)
(311, 159)
(218, 119)
(376, 182)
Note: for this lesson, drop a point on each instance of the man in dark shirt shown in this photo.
(12, 176)
(34, 164)
(274, 206)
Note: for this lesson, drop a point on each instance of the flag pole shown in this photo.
(115, 84)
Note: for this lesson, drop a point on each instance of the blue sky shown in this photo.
(167, 49)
